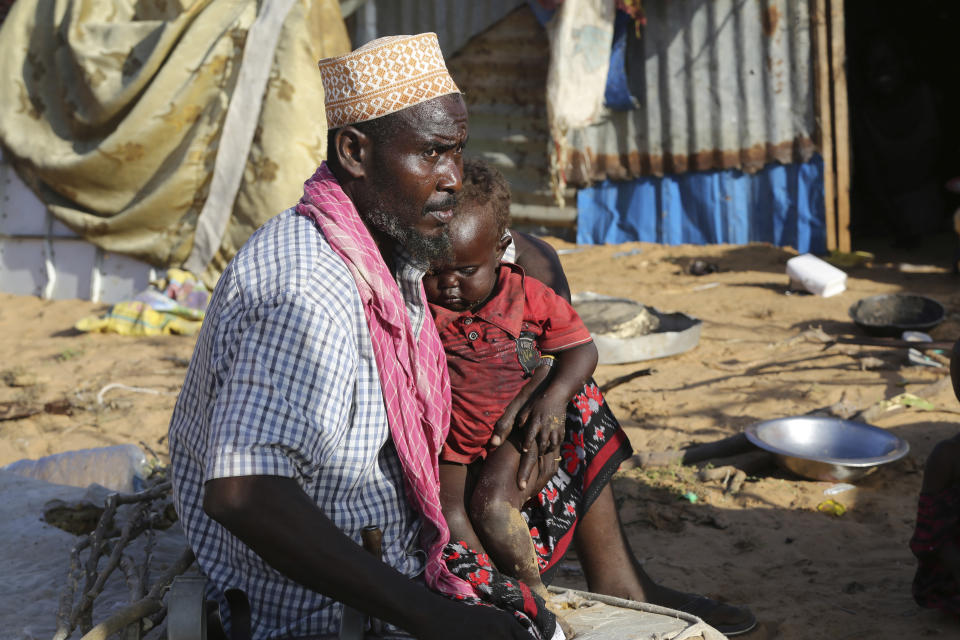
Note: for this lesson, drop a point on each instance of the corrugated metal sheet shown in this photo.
(498, 54)
(502, 73)
(722, 84)
(454, 21)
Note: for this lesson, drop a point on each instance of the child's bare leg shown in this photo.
(454, 484)
(495, 514)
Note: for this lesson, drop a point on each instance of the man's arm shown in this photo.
(539, 260)
(275, 518)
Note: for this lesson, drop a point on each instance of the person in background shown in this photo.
(936, 539)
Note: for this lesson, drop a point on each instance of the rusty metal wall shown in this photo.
(503, 74)
(497, 53)
(722, 84)
(454, 21)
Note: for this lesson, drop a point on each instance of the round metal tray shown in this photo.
(824, 448)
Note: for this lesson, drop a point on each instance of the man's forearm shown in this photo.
(276, 519)
(573, 368)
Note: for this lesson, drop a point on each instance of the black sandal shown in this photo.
(704, 607)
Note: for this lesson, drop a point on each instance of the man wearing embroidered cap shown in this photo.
(317, 397)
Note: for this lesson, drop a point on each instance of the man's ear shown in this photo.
(502, 245)
(352, 147)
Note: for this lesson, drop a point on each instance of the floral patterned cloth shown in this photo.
(592, 450)
(499, 590)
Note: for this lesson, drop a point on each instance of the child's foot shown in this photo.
(560, 610)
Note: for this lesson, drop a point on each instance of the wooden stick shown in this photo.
(894, 343)
(144, 607)
(616, 382)
(724, 447)
(824, 115)
(838, 68)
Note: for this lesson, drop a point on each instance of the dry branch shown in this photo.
(104, 542)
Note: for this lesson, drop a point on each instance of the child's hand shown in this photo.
(509, 419)
(544, 422)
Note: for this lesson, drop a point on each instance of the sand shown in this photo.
(806, 574)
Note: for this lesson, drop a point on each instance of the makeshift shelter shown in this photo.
(704, 127)
(708, 131)
(162, 132)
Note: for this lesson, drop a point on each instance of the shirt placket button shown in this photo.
(473, 335)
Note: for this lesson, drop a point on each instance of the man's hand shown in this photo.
(536, 469)
(285, 527)
(469, 622)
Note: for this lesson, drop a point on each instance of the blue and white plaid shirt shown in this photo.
(283, 382)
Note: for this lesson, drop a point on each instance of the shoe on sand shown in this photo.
(707, 609)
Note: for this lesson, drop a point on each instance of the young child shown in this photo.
(496, 325)
(936, 540)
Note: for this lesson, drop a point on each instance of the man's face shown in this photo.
(414, 176)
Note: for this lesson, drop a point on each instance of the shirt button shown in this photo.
(473, 335)
(467, 320)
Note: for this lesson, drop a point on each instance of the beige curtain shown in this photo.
(112, 110)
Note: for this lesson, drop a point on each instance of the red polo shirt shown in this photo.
(485, 349)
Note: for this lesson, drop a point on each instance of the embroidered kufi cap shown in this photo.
(383, 76)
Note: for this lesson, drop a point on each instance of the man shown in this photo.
(316, 398)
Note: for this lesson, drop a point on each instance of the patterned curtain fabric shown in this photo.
(112, 110)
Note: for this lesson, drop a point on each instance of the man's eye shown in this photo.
(433, 153)
(469, 271)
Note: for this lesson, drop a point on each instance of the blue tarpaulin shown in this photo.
(782, 204)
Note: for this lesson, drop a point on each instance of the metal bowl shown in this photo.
(823, 448)
(890, 314)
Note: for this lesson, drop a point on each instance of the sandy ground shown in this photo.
(806, 574)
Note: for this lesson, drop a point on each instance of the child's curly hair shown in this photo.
(485, 185)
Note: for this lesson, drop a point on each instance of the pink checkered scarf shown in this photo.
(418, 413)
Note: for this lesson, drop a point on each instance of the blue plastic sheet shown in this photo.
(617, 95)
(780, 204)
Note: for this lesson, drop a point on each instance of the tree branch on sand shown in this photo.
(106, 546)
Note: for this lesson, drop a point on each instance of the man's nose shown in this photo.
(451, 173)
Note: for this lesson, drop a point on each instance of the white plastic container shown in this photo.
(120, 467)
(816, 276)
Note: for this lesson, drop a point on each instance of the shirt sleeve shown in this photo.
(561, 325)
(284, 402)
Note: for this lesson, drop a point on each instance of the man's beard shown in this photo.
(423, 249)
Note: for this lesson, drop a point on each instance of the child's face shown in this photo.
(466, 281)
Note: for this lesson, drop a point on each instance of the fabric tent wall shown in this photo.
(780, 204)
(112, 113)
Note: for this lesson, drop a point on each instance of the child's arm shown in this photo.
(544, 416)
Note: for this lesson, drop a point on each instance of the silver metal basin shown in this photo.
(829, 449)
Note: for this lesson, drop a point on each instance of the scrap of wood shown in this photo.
(724, 447)
(750, 462)
(616, 382)
(736, 482)
(882, 407)
(16, 410)
(893, 343)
